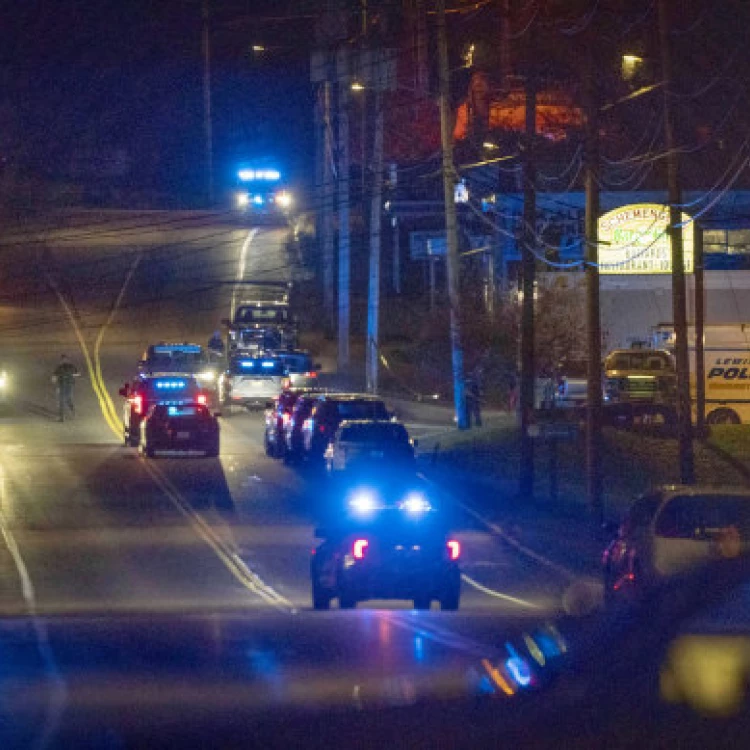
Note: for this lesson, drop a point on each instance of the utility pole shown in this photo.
(373, 301)
(451, 257)
(700, 322)
(679, 294)
(207, 117)
(528, 266)
(594, 493)
(396, 233)
(327, 208)
(342, 77)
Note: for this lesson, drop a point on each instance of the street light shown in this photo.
(357, 86)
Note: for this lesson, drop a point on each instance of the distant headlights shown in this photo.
(284, 199)
(415, 502)
(243, 199)
(208, 376)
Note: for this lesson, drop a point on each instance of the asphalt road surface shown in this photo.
(91, 530)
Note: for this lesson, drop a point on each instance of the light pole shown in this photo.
(207, 117)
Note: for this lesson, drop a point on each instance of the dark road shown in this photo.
(95, 538)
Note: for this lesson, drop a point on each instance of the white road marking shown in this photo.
(498, 594)
(58, 690)
(241, 268)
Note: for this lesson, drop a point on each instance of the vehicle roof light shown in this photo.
(176, 348)
(263, 175)
(454, 549)
(268, 364)
(359, 547)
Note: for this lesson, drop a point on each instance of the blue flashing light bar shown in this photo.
(268, 364)
(169, 348)
(259, 175)
(170, 384)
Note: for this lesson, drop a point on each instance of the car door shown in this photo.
(629, 556)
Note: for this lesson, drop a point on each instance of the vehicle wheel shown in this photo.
(422, 602)
(267, 446)
(450, 600)
(346, 601)
(723, 416)
(320, 598)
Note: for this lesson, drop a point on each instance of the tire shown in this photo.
(321, 600)
(723, 416)
(347, 601)
(422, 602)
(451, 599)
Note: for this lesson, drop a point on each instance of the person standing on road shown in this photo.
(64, 376)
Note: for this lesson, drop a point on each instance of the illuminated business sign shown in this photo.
(634, 240)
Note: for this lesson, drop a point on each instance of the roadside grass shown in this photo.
(632, 461)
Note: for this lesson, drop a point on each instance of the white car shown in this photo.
(251, 382)
(370, 442)
(674, 529)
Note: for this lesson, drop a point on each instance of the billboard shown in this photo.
(633, 240)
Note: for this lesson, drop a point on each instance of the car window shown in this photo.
(642, 511)
(361, 410)
(363, 433)
(693, 516)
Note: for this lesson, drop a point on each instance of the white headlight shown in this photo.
(363, 502)
(3, 380)
(284, 199)
(415, 502)
(243, 199)
(209, 375)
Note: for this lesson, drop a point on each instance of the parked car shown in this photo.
(674, 529)
(278, 416)
(294, 439)
(330, 411)
(362, 444)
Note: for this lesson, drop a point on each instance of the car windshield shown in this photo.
(375, 433)
(361, 410)
(255, 314)
(694, 516)
(257, 367)
(639, 360)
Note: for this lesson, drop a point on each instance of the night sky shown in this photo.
(110, 93)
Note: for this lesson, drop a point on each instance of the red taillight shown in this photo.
(454, 549)
(138, 404)
(359, 547)
(202, 399)
(312, 374)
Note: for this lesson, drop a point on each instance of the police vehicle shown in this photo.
(185, 429)
(251, 382)
(145, 390)
(187, 358)
(262, 195)
(389, 543)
